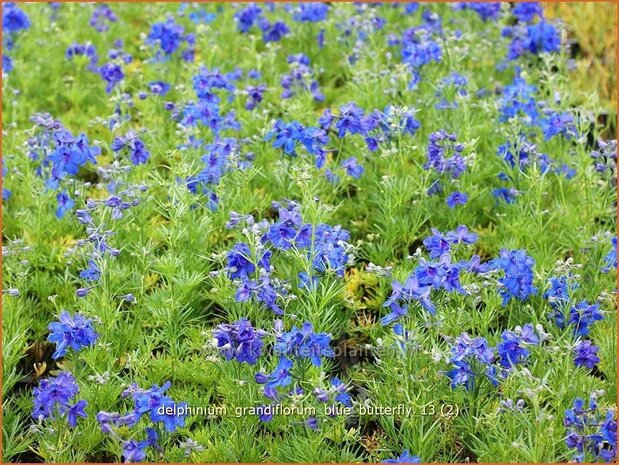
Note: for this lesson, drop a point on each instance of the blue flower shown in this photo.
(112, 73)
(466, 353)
(512, 348)
(441, 143)
(71, 331)
(300, 78)
(611, 258)
(13, 18)
(255, 95)
(239, 261)
(558, 293)
(154, 403)
(396, 313)
(591, 431)
(69, 155)
(52, 397)
(92, 273)
(247, 17)
(279, 377)
(555, 123)
(65, 203)
(286, 136)
(311, 12)
(456, 198)
(583, 316)
(158, 87)
(7, 63)
(485, 10)
(517, 282)
(304, 343)
(462, 236)
(134, 145)
(505, 194)
(87, 50)
(239, 341)
(76, 410)
(437, 244)
(412, 289)
(585, 354)
(352, 119)
(274, 32)
(527, 11)
(168, 35)
(352, 167)
(101, 17)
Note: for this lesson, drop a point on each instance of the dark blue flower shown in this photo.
(112, 73)
(169, 35)
(52, 397)
(441, 143)
(304, 343)
(138, 153)
(101, 17)
(456, 198)
(352, 167)
(75, 332)
(65, 203)
(239, 341)
(247, 17)
(13, 18)
(311, 12)
(274, 32)
(583, 316)
(517, 282)
(585, 354)
(352, 119)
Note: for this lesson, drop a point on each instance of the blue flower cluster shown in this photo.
(169, 37)
(222, 155)
(445, 154)
(542, 37)
(294, 345)
(517, 281)
(303, 343)
(13, 20)
(486, 10)
(239, 341)
(326, 246)
(585, 354)
(101, 18)
(300, 78)
(75, 332)
(151, 403)
(131, 143)
(53, 396)
(591, 433)
(472, 357)
(432, 275)
(207, 110)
